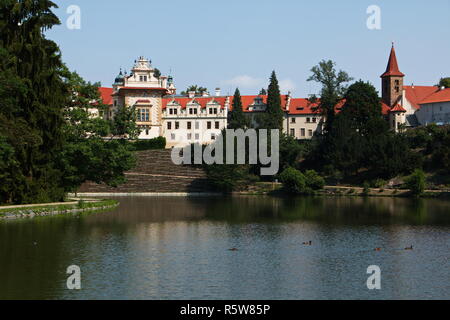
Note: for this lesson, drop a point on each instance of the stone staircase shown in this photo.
(155, 172)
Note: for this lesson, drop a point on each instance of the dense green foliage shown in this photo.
(31, 95)
(194, 88)
(416, 182)
(296, 182)
(333, 88)
(152, 144)
(49, 143)
(272, 118)
(360, 140)
(238, 120)
(444, 82)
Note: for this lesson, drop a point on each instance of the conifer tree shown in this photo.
(238, 119)
(34, 64)
(272, 118)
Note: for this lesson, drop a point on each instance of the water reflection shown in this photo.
(177, 248)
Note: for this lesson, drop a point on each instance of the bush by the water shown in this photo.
(153, 144)
(416, 182)
(298, 183)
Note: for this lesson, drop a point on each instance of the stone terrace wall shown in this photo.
(155, 172)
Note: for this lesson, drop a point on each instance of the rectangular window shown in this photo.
(314, 120)
(175, 111)
(303, 132)
(197, 136)
(143, 115)
(169, 125)
(177, 125)
(172, 136)
(310, 133)
(197, 125)
(215, 110)
(210, 111)
(189, 136)
(293, 132)
(293, 120)
(170, 111)
(308, 120)
(217, 125)
(213, 136)
(209, 125)
(189, 125)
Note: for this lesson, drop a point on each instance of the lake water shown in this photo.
(178, 248)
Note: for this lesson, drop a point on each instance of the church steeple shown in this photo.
(392, 81)
(392, 67)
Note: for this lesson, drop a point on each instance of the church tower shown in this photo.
(392, 81)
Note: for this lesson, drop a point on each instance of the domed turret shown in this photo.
(120, 79)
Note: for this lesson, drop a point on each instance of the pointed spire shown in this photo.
(392, 67)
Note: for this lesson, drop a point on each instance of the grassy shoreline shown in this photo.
(268, 188)
(22, 212)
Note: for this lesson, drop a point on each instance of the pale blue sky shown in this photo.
(239, 42)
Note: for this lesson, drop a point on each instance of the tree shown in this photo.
(124, 123)
(444, 82)
(238, 120)
(157, 73)
(273, 116)
(263, 92)
(293, 181)
(333, 89)
(416, 182)
(194, 88)
(86, 155)
(33, 66)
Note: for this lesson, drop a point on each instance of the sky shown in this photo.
(237, 43)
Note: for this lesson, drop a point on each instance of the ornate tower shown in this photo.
(392, 81)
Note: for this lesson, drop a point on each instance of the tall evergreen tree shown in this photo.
(34, 65)
(272, 118)
(238, 120)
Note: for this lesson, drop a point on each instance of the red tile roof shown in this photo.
(303, 106)
(398, 108)
(392, 67)
(106, 95)
(416, 94)
(439, 96)
(385, 108)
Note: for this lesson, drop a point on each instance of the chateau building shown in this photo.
(200, 119)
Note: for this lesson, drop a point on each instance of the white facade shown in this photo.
(195, 122)
(438, 112)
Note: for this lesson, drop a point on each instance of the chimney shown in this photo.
(218, 92)
(191, 94)
(442, 88)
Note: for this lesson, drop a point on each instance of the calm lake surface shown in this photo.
(178, 248)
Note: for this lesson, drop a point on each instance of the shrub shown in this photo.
(377, 183)
(153, 144)
(416, 182)
(293, 181)
(313, 180)
(366, 188)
